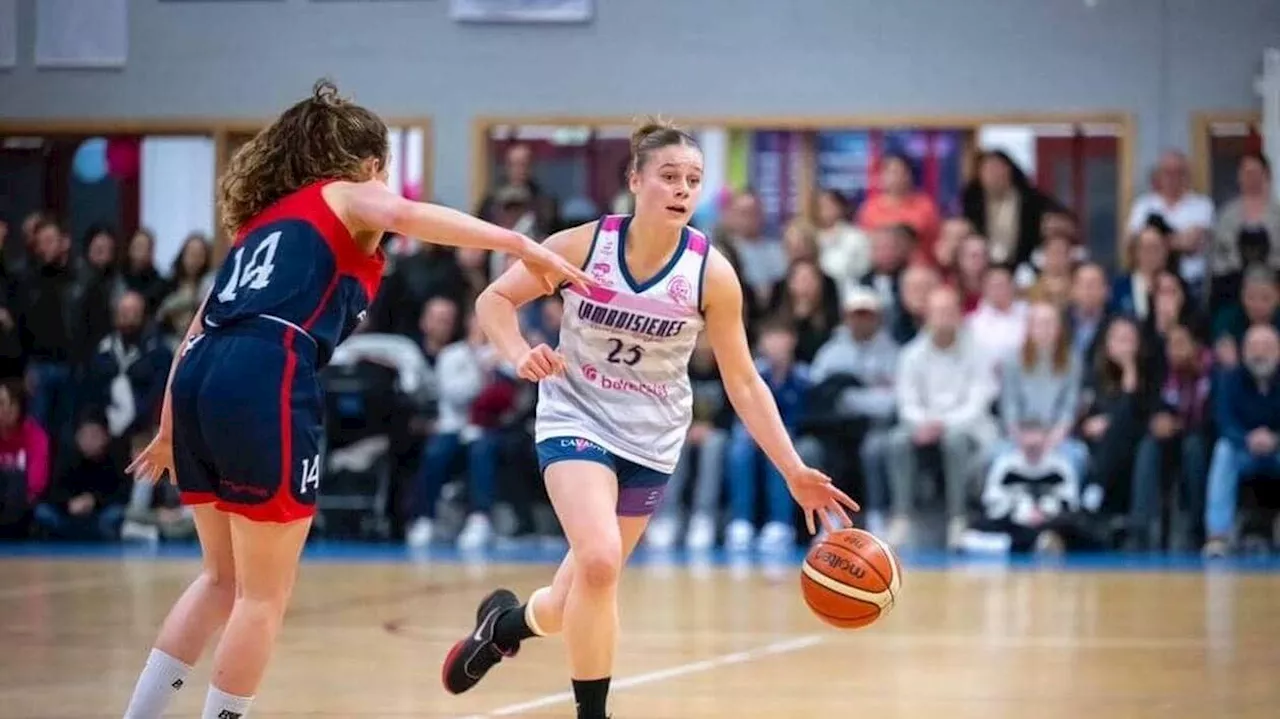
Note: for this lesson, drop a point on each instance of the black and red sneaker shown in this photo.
(470, 659)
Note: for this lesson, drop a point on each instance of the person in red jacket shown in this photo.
(24, 459)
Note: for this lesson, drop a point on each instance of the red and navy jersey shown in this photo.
(297, 264)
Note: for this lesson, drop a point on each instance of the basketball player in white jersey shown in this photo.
(615, 404)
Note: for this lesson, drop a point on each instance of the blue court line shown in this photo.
(330, 551)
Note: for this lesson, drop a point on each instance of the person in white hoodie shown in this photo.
(945, 391)
(461, 369)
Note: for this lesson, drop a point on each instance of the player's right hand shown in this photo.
(540, 363)
(154, 460)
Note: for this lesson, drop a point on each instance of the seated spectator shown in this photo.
(702, 458)
(899, 202)
(191, 277)
(1030, 501)
(888, 261)
(24, 460)
(139, 271)
(86, 501)
(1176, 437)
(1247, 411)
(1131, 293)
(128, 376)
(1040, 393)
(1259, 304)
(1170, 309)
(844, 251)
(1087, 315)
(808, 300)
(971, 271)
(1186, 217)
(763, 259)
(476, 266)
(1005, 208)
(1048, 277)
(789, 382)
(862, 358)
(1118, 406)
(417, 272)
(461, 368)
(917, 282)
(1000, 320)
(47, 311)
(1248, 230)
(944, 402)
(96, 289)
(954, 230)
(438, 326)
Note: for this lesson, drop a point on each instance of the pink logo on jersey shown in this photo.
(600, 273)
(590, 372)
(679, 290)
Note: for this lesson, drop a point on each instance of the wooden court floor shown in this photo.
(365, 639)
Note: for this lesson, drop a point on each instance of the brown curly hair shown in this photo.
(323, 137)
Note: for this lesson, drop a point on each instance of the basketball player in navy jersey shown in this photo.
(240, 429)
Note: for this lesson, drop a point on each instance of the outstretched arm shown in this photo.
(496, 307)
(370, 207)
(753, 401)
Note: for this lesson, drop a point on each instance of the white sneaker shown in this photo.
(702, 533)
(955, 533)
(661, 534)
(419, 533)
(776, 537)
(898, 532)
(739, 535)
(475, 533)
(139, 532)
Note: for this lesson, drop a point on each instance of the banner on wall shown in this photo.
(775, 175)
(848, 161)
(522, 11)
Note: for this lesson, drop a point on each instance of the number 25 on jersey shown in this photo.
(254, 274)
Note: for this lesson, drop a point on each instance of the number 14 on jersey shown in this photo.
(254, 274)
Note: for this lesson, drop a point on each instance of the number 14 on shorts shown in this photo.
(310, 475)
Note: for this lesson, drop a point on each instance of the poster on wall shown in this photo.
(8, 33)
(522, 11)
(82, 33)
(775, 175)
(848, 161)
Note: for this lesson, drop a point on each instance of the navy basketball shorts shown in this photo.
(640, 488)
(247, 422)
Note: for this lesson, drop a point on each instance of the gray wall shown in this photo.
(1159, 59)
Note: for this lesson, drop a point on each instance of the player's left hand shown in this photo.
(154, 460)
(816, 494)
(552, 269)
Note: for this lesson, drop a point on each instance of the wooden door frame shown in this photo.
(217, 128)
(482, 125)
(1201, 124)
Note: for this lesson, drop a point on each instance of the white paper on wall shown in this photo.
(176, 192)
(82, 33)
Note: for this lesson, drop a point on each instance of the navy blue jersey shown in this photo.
(297, 263)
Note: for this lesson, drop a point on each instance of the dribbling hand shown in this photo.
(540, 363)
(816, 494)
(154, 460)
(551, 269)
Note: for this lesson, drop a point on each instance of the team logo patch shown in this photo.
(600, 273)
(679, 290)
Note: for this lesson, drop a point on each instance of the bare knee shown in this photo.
(598, 568)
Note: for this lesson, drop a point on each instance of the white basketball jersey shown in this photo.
(627, 346)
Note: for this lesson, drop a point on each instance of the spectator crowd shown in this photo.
(969, 373)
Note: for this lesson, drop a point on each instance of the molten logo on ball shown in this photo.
(839, 563)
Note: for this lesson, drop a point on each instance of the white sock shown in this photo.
(161, 678)
(220, 705)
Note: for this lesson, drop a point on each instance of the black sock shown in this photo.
(511, 629)
(591, 695)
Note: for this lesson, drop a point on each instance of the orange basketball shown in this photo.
(850, 579)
